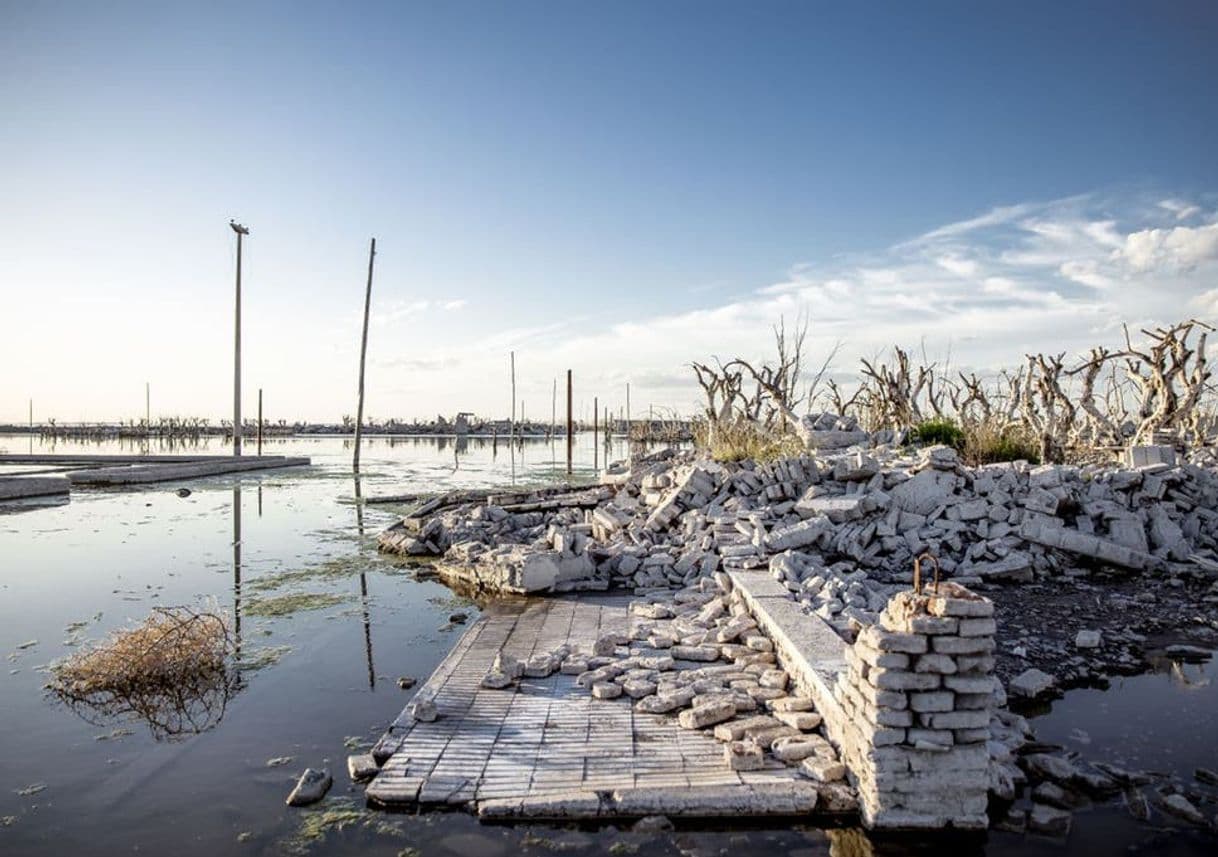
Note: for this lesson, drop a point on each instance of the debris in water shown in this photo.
(406, 682)
(32, 789)
(279, 761)
(310, 788)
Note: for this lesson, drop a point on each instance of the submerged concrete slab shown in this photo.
(19, 487)
(546, 749)
(136, 474)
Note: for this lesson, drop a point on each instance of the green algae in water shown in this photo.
(336, 568)
(316, 824)
(286, 605)
(262, 656)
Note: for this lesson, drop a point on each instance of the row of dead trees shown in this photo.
(1150, 388)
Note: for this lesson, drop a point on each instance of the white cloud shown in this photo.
(1181, 209)
(1180, 248)
(459, 303)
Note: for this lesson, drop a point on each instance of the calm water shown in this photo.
(326, 670)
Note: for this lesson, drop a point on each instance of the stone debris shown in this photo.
(838, 527)
(310, 788)
(362, 767)
(1031, 683)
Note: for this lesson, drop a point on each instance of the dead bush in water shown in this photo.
(174, 670)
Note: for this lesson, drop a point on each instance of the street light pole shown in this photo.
(241, 233)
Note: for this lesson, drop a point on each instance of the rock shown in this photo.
(1087, 639)
(406, 682)
(362, 767)
(707, 714)
(508, 665)
(652, 824)
(183, 492)
(1179, 806)
(495, 680)
(423, 710)
(1049, 821)
(310, 788)
(1137, 804)
(1031, 683)
(823, 770)
(1205, 775)
(743, 756)
(606, 690)
(459, 618)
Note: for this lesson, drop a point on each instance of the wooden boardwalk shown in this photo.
(546, 748)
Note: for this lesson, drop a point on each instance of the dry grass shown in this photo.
(742, 439)
(988, 442)
(174, 670)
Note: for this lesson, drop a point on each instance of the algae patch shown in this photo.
(316, 824)
(285, 605)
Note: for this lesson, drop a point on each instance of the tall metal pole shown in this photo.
(363, 353)
(570, 425)
(241, 233)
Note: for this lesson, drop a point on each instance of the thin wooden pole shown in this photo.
(147, 408)
(553, 410)
(260, 421)
(627, 409)
(570, 425)
(363, 354)
(512, 427)
(595, 434)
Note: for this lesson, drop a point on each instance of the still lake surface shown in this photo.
(327, 625)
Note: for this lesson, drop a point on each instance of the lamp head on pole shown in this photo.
(238, 228)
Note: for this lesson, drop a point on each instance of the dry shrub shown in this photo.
(742, 439)
(174, 670)
(989, 442)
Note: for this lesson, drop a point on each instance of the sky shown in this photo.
(614, 188)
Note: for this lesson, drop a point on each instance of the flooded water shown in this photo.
(326, 626)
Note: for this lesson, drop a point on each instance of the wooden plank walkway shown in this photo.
(546, 748)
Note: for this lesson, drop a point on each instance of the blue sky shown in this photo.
(615, 188)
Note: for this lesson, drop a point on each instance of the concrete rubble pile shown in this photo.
(839, 528)
(696, 655)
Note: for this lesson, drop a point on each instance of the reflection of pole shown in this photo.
(363, 592)
(363, 587)
(237, 567)
(570, 424)
(363, 352)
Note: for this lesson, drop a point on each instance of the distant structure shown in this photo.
(461, 423)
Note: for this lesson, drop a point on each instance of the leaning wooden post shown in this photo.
(570, 425)
(260, 421)
(363, 353)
